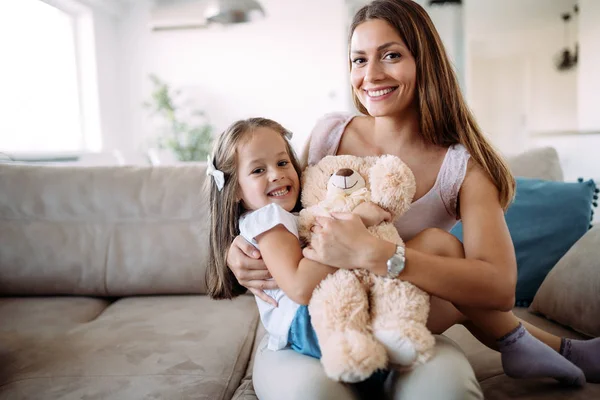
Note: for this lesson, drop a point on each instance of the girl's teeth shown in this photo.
(279, 193)
(377, 93)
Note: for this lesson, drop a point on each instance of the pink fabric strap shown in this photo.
(325, 136)
(452, 175)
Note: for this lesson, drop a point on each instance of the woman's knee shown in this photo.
(437, 241)
(450, 370)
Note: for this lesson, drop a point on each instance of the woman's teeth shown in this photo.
(280, 192)
(379, 93)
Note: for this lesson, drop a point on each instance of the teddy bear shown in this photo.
(364, 322)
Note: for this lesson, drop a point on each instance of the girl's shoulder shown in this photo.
(254, 223)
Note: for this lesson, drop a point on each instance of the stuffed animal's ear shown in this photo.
(392, 184)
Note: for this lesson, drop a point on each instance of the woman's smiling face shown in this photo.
(383, 72)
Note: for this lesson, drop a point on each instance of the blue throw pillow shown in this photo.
(545, 220)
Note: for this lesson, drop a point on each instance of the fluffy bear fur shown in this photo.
(364, 321)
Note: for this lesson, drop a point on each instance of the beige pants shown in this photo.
(288, 375)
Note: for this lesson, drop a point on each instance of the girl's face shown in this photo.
(383, 72)
(265, 172)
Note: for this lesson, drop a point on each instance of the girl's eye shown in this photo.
(358, 61)
(258, 171)
(392, 56)
(283, 163)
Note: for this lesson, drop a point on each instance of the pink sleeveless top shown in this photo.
(436, 209)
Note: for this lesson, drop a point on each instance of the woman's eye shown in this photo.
(258, 171)
(358, 61)
(392, 56)
(283, 163)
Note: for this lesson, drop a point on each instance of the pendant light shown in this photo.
(228, 12)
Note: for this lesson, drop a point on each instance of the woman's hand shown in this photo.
(342, 241)
(371, 214)
(250, 270)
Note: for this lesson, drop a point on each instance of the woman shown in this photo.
(404, 85)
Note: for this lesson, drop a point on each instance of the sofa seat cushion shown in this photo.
(503, 387)
(47, 315)
(145, 347)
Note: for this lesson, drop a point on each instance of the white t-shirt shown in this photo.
(276, 320)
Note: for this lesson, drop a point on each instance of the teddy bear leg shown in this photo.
(339, 310)
(399, 312)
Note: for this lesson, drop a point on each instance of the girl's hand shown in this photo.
(342, 241)
(371, 214)
(250, 270)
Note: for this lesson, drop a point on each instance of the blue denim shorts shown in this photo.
(302, 338)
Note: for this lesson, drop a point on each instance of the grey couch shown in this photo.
(103, 297)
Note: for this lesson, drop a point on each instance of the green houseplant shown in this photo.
(186, 132)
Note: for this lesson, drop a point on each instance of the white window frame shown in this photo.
(87, 80)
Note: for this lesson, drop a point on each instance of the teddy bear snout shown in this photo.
(344, 172)
(347, 180)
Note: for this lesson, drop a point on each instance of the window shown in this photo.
(40, 100)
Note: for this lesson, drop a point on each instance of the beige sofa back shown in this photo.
(104, 231)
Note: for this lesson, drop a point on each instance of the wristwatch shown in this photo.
(395, 264)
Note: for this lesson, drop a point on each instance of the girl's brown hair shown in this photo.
(445, 117)
(225, 209)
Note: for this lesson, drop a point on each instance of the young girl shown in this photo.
(254, 190)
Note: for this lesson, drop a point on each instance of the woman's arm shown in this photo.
(486, 278)
(295, 275)
(249, 269)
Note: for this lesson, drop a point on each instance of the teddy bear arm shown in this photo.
(306, 220)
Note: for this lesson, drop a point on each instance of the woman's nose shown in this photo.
(373, 72)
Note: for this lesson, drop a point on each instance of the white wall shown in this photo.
(449, 22)
(290, 66)
(557, 106)
(297, 60)
(551, 95)
(589, 68)
(579, 152)
(109, 68)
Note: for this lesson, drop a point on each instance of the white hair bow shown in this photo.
(218, 176)
(288, 135)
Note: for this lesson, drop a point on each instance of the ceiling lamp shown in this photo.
(233, 11)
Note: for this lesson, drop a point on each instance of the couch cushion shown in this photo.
(539, 163)
(102, 231)
(502, 387)
(246, 389)
(47, 315)
(145, 347)
(570, 294)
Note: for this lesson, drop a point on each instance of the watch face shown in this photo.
(395, 265)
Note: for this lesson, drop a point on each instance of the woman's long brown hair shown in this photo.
(225, 209)
(445, 117)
